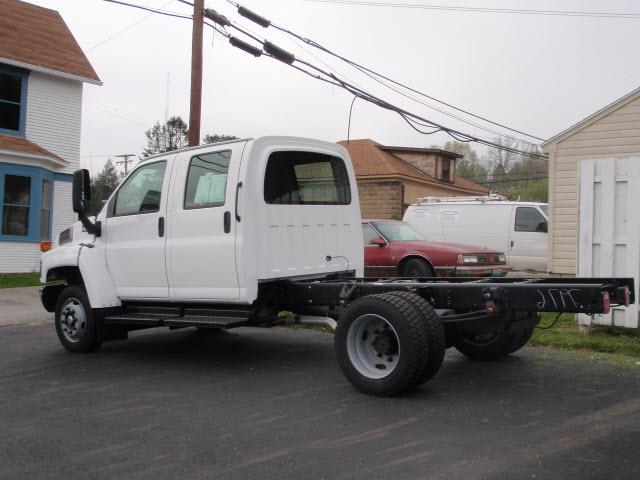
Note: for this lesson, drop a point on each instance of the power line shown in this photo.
(273, 51)
(128, 27)
(149, 9)
(510, 181)
(421, 6)
(378, 76)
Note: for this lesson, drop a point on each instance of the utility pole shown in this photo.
(196, 73)
(126, 161)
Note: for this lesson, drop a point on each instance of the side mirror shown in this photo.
(379, 241)
(542, 227)
(81, 193)
(80, 197)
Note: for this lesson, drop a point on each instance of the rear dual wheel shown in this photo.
(385, 344)
(489, 346)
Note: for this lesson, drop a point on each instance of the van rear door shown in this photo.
(201, 254)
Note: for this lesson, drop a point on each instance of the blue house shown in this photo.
(42, 73)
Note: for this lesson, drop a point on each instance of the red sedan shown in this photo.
(393, 248)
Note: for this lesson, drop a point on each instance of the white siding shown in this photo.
(63, 215)
(19, 257)
(616, 134)
(54, 110)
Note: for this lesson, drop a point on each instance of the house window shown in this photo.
(15, 207)
(12, 101)
(445, 169)
(46, 201)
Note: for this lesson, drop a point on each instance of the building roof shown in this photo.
(370, 159)
(24, 146)
(37, 38)
(436, 151)
(594, 117)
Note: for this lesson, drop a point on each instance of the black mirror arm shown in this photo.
(91, 228)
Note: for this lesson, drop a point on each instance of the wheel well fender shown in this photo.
(403, 261)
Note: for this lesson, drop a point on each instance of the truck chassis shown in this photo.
(391, 333)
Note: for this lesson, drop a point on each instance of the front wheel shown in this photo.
(75, 321)
(382, 344)
(417, 268)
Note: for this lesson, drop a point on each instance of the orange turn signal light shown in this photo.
(45, 246)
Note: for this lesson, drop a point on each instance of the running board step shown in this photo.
(202, 321)
(191, 317)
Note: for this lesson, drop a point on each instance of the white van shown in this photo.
(517, 228)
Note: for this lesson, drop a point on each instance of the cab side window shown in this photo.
(369, 234)
(529, 219)
(141, 192)
(207, 180)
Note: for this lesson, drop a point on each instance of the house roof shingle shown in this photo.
(39, 37)
(370, 159)
(22, 145)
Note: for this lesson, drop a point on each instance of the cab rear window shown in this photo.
(306, 178)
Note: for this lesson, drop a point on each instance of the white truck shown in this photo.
(517, 228)
(230, 234)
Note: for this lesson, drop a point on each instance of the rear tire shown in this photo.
(417, 268)
(437, 337)
(382, 344)
(75, 321)
(485, 346)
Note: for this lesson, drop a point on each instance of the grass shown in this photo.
(565, 335)
(13, 280)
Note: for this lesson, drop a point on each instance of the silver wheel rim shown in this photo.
(373, 346)
(73, 320)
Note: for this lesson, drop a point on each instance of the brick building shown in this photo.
(391, 178)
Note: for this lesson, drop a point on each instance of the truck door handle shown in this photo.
(238, 187)
(227, 222)
(161, 226)
(511, 243)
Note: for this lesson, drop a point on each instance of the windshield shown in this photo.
(545, 209)
(398, 232)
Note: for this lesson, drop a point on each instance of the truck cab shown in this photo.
(211, 223)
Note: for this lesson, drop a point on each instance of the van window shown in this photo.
(141, 192)
(207, 180)
(306, 178)
(529, 219)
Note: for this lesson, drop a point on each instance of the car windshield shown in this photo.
(398, 232)
(545, 209)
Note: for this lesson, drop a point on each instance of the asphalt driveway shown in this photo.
(272, 404)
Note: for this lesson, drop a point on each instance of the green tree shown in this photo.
(215, 138)
(469, 165)
(103, 185)
(171, 135)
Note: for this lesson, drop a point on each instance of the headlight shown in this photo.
(464, 259)
(65, 236)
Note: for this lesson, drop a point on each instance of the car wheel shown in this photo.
(75, 321)
(416, 268)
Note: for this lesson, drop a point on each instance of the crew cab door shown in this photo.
(528, 239)
(134, 233)
(202, 228)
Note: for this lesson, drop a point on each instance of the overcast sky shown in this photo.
(539, 74)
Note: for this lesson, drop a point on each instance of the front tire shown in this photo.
(382, 344)
(417, 268)
(75, 321)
